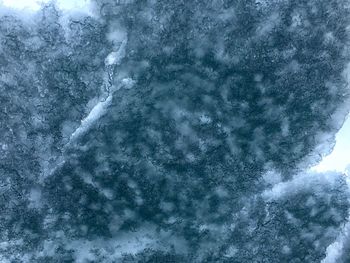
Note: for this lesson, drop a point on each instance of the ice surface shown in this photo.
(174, 131)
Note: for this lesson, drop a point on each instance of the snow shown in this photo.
(115, 57)
(339, 158)
(303, 182)
(35, 5)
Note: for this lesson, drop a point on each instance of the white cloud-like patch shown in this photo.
(35, 5)
(339, 158)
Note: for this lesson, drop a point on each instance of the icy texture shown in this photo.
(173, 131)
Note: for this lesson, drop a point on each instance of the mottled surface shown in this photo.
(173, 131)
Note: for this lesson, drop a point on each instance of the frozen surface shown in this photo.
(339, 158)
(174, 131)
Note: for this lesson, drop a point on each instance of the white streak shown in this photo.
(95, 114)
(303, 182)
(115, 57)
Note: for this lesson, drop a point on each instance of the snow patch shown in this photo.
(303, 182)
(35, 5)
(339, 158)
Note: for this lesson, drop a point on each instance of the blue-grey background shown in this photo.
(173, 131)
